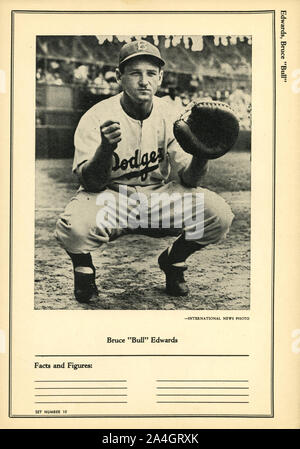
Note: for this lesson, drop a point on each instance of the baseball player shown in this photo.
(125, 150)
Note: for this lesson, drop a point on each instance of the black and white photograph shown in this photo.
(149, 156)
(143, 172)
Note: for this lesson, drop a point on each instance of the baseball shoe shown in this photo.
(84, 286)
(175, 282)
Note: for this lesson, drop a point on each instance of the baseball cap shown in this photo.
(139, 48)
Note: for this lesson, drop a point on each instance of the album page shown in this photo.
(190, 320)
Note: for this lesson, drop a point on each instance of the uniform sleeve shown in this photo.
(87, 139)
(179, 160)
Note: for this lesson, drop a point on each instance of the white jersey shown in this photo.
(148, 152)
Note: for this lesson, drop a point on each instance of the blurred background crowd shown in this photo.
(75, 72)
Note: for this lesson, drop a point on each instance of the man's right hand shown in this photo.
(95, 173)
(110, 134)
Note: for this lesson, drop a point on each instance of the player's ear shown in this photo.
(160, 77)
(118, 75)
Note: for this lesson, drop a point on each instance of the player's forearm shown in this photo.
(194, 172)
(95, 173)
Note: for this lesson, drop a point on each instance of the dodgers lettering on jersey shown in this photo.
(145, 153)
(145, 164)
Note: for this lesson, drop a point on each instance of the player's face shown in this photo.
(140, 79)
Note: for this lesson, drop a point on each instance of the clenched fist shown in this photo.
(110, 134)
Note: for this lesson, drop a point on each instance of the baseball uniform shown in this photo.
(147, 161)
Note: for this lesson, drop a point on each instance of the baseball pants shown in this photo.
(91, 219)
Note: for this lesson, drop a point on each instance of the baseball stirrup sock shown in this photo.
(81, 261)
(182, 249)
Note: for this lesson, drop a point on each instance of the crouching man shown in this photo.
(135, 178)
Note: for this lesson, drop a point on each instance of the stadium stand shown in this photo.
(75, 72)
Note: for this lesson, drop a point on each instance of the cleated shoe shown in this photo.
(175, 282)
(84, 285)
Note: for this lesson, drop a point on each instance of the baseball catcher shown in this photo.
(138, 164)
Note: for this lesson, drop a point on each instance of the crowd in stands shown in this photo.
(91, 77)
(238, 99)
(101, 82)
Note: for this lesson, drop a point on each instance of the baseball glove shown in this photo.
(207, 128)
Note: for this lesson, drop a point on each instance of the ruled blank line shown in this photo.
(202, 402)
(202, 395)
(188, 380)
(80, 381)
(141, 355)
(202, 388)
(82, 402)
(80, 388)
(52, 395)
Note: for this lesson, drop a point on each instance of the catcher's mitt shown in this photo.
(207, 128)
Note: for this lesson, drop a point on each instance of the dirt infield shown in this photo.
(128, 276)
